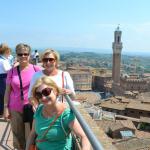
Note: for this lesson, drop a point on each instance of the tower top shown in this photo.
(117, 44)
(118, 27)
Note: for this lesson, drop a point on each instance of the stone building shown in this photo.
(82, 78)
(134, 84)
(102, 82)
(128, 107)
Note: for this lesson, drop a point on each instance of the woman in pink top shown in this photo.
(14, 102)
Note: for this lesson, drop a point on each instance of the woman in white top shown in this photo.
(4, 67)
(50, 59)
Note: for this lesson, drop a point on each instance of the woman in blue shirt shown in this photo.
(53, 122)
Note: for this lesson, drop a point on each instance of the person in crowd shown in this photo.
(18, 79)
(4, 68)
(10, 57)
(53, 121)
(50, 60)
(35, 57)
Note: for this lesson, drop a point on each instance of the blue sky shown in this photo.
(75, 23)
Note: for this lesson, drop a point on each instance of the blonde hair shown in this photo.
(22, 46)
(4, 49)
(51, 51)
(47, 81)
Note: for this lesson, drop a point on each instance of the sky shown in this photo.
(75, 23)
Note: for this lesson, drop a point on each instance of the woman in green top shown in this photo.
(52, 120)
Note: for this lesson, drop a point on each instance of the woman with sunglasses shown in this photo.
(50, 60)
(18, 79)
(53, 122)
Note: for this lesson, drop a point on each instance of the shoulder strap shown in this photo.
(21, 87)
(63, 126)
(12, 72)
(62, 79)
(62, 84)
(2, 57)
(34, 68)
(51, 124)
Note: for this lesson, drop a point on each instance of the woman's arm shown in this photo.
(69, 85)
(31, 138)
(31, 99)
(6, 101)
(75, 126)
(6, 66)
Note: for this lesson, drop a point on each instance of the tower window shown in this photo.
(118, 39)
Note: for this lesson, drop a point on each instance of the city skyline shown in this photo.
(76, 24)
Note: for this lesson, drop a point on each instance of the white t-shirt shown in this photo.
(4, 65)
(68, 82)
(36, 55)
(11, 60)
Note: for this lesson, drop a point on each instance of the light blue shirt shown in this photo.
(4, 65)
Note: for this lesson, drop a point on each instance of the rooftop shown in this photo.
(122, 103)
(133, 144)
(138, 106)
(91, 97)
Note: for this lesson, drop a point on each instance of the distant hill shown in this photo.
(100, 60)
(95, 50)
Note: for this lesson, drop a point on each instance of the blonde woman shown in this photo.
(16, 95)
(50, 60)
(52, 120)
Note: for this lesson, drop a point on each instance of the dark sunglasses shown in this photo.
(48, 59)
(23, 54)
(44, 92)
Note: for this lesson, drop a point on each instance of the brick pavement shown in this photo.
(5, 135)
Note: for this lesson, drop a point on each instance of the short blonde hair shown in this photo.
(51, 51)
(47, 81)
(4, 49)
(22, 46)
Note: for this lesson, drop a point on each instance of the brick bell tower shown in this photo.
(117, 48)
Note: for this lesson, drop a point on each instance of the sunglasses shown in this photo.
(22, 54)
(44, 92)
(48, 59)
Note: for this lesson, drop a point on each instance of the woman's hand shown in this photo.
(7, 114)
(66, 91)
(34, 103)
